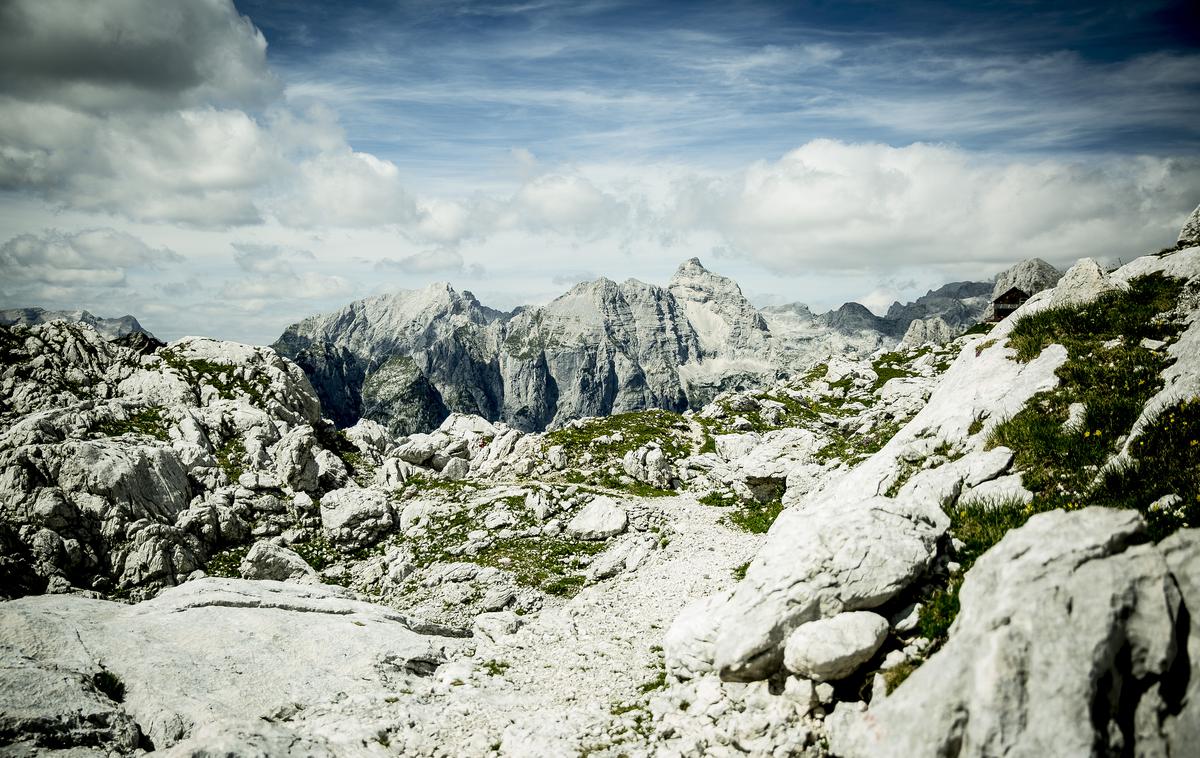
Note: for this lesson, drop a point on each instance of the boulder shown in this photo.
(267, 560)
(1072, 639)
(356, 516)
(649, 465)
(1189, 233)
(1083, 283)
(600, 519)
(831, 649)
(818, 562)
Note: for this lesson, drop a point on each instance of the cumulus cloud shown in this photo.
(60, 268)
(272, 277)
(140, 54)
(836, 205)
(440, 261)
(168, 112)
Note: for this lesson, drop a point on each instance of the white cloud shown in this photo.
(345, 188)
(833, 205)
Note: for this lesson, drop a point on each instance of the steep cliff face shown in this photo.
(409, 359)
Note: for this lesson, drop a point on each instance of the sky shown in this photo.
(227, 167)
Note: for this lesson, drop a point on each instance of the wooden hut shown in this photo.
(1008, 302)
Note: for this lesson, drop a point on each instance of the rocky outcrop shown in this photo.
(123, 471)
(1189, 233)
(934, 330)
(1072, 639)
(78, 672)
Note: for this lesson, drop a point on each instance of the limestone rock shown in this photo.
(1189, 234)
(209, 664)
(1067, 643)
(648, 464)
(267, 560)
(600, 519)
(833, 648)
(1083, 282)
(819, 562)
(356, 516)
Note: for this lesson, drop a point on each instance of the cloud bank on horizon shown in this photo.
(226, 170)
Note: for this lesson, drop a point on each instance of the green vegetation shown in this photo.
(495, 668)
(226, 563)
(231, 457)
(1108, 371)
(893, 366)
(148, 422)
(748, 515)
(739, 571)
(632, 430)
(709, 446)
(852, 447)
(1165, 460)
(755, 517)
(546, 563)
(224, 377)
(982, 328)
(316, 550)
(336, 442)
(893, 677)
(976, 424)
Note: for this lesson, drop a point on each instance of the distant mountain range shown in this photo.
(410, 358)
(111, 328)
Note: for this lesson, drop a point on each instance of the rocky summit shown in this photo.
(409, 359)
(448, 531)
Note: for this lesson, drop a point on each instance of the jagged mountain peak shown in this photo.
(1031, 275)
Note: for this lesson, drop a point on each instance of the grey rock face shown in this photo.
(1069, 641)
(1189, 234)
(408, 359)
(600, 519)
(207, 636)
(109, 328)
(269, 561)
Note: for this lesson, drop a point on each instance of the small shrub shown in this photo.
(755, 517)
(148, 421)
(227, 562)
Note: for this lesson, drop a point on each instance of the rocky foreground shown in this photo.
(976, 548)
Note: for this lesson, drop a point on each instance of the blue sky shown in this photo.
(226, 168)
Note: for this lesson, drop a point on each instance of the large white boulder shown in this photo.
(267, 560)
(831, 649)
(600, 519)
(1072, 639)
(356, 516)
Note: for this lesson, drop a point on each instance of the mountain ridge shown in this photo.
(601, 347)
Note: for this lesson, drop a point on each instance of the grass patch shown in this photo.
(495, 668)
(221, 376)
(546, 563)
(148, 422)
(316, 550)
(231, 457)
(1165, 460)
(893, 677)
(891, 366)
(1113, 376)
(632, 430)
(226, 563)
(754, 517)
(982, 328)
(739, 572)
